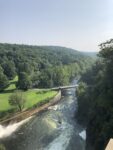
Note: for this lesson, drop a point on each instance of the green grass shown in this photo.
(4, 96)
(12, 85)
(14, 80)
(4, 105)
(32, 98)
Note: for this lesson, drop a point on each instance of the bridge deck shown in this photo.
(65, 87)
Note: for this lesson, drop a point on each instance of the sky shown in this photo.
(77, 24)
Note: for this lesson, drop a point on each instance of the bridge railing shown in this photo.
(64, 87)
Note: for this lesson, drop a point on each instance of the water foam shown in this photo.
(55, 107)
(6, 131)
(62, 141)
(83, 134)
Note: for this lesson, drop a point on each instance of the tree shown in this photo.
(17, 99)
(35, 79)
(46, 78)
(3, 80)
(95, 103)
(24, 81)
(25, 67)
(83, 103)
(9, 69)
(60, 76)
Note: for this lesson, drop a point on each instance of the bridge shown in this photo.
(64, 87)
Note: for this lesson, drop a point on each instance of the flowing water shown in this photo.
(54, 129)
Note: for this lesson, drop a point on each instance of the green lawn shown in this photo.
(33, 97)
(4, 105)
(12, 85)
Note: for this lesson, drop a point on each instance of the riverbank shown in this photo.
(34, 99)
(54, 129)
(23, 115)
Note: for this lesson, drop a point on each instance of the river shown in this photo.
(54, 129)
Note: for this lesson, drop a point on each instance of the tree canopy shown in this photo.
(41, 66)
(3, 80)
(95, 101)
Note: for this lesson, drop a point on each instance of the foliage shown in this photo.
(17, 99)
(42, 66)
(3, 80)
(24, 81)
(83, 103)
(12, 85)
(9, 69)
(33, 97)
(98, 96)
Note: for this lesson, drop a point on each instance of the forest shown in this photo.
(24, 68)
(95, 99)
(40, 66)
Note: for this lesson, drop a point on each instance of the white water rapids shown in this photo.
(6, 131)
(83, 134)
(62, 141)
(54, 129)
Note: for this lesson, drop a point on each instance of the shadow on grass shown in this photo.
(13, 82)
(7, 113)
(7, 91)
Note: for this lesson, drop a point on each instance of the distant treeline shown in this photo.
(95, 99)
(40, 66)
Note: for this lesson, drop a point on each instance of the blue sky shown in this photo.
(78, 24)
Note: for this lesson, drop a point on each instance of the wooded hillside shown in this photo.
(40, 66)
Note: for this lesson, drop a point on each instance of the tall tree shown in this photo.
(24, 81)
(3, 80)
(99, 97)
(17, 99)
(9, 69)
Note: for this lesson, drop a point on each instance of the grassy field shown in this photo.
(33, 97)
